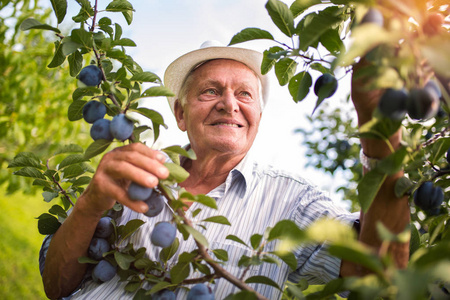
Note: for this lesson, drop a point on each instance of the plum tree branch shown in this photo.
(220, 271)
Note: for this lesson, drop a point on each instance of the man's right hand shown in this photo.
(117, 169)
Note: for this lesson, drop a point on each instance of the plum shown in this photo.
(121, 127)
(100, 130)
(200, 291)
(392, 104)
(104, 228)
(97, 247)
(326, 85)
(428, 197)
(103, 271)
(91, 75)
(155, 204)
(163, 234)
(139, 192)
(93, 111)
(422, 104)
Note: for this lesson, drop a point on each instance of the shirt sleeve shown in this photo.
(314, 263)
(43, 252)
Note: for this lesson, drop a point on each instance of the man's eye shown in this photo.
(210, 92)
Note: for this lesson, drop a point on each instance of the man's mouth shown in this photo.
(228, 124)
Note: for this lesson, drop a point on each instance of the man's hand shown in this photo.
(117, 169)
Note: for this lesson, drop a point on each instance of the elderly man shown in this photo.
(220, 93)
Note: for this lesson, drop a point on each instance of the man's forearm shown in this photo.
(62, 272)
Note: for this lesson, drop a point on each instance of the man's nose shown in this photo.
(228, 102)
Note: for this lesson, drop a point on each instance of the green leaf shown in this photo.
(119, 6)
(124, 42)
(263, 280)
(85, 12)
(255, 240)
(168, 252)
(386, 235)
(123, 260)
(331, 40)
(71, 148)
(431, 258)
(75, 110)
(83, 180)
(96, 148)
(196, 235)
(299, 6)
(132, 286)
(49, 196)
(281, 16)
(75, 63)
(145, 77)
(32, 23)
(23, 161)
(44, 183)
(82, 37)
(365, 37)
(73, 171)
(156, 117)
(180, 151)
(118, 32)
(368, 188)
(242, 295)
(47, 224)
(177, 172)
(249, 34)
(87, 260)
(128, 15)
(268, 61)
(319, 23)
(158, 287)
(58, 210)
(206, 200)
(58, 57)
(30, 172)
(403, 185)
(284, 69)
(236, 239)
(358, 253)
(60, 9)
(79, 93)
(126, 230)
(157, 91)
(379, 127)
(286, 229)
(288, 257)
(180, 272)
(218, 219)
(299, 86)
(72, 159)
(221, 254)
(438, 149)
(394, 162)
(414, 242)
(69, 46)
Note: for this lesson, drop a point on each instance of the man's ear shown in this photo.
(179, 115)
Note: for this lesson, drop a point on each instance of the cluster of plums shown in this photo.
(104, 270)
(418, 103)
(120, 127)
(200, 291)
(163, 233)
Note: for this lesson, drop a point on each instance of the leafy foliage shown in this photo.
(396, 56)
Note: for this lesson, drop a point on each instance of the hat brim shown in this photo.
(177, 71)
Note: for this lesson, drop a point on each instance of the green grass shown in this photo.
(20, 242)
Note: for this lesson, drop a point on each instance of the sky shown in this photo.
(165, 30)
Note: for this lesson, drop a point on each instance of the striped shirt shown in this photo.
(252, 198)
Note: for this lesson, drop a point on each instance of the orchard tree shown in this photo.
(405, 45)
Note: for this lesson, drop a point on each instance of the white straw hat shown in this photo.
(177, 71)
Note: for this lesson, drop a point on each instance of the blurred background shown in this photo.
(34, 101)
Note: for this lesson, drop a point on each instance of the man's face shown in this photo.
(222, 109)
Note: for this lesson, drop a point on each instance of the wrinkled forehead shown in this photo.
(207, 69)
